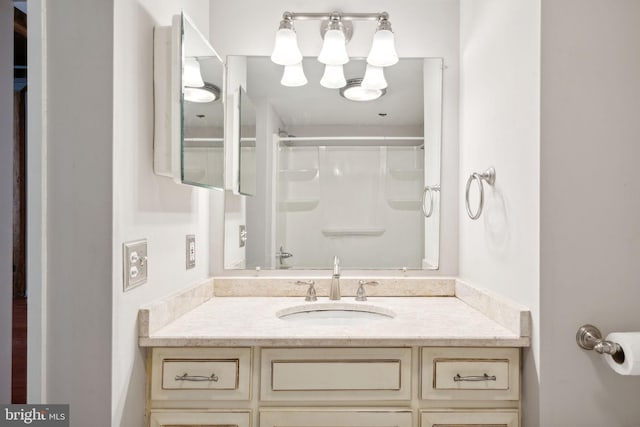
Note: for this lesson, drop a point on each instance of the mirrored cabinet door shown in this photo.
(189, 106)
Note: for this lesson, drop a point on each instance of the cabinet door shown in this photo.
(336, 374)
(476, 418)
(199, 419)
(335, 418)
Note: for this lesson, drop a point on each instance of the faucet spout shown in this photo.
(334, 293)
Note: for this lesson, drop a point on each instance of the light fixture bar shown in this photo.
(344, 16)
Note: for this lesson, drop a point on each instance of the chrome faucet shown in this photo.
(334, 293)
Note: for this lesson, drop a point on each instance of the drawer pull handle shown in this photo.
(187, 377)
(483, 377)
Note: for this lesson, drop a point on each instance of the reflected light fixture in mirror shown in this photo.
(192, 76)
(336, 31)
(293, 76)
(354, 91)
(204, 94)
(374, 78)
(333, 77)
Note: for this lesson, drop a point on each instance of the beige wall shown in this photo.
(100, 191)
(590, 227)
(78, 208)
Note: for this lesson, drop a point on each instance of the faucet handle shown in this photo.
(360, 296)
(311, 292)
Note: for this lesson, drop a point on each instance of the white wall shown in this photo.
(422, 29)
(146, 205)
(6, 194)
(79, 207)
(259, 207)
(590, 226)
(499, 127)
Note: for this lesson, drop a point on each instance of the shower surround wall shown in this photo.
(345, 200)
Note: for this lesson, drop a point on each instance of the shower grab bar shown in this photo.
(429, 189)
(490, 177)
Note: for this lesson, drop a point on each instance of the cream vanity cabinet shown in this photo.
(343, 387)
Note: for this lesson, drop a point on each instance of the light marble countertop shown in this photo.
(252, 321)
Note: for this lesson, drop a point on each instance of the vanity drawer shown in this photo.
(201, 373)
(470, 418)
(181, 374)
(328, 374)
(192, 418)
(470, 373)
(346, 417)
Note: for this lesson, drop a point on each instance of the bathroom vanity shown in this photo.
(252, 352)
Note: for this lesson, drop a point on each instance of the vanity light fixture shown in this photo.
(354, 91)
(336, 30)
(286, 50)
(383, 50)
(201, 95)
(334, 47)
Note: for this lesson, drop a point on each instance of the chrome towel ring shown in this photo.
(490, 177)
(429, 189)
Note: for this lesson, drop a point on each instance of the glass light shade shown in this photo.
(334, 49)
(383, 50)
(293, 76)
(192, 76)
(286, 50)
(354, 91)
(374, 78)
(358, 93)
(333, 77)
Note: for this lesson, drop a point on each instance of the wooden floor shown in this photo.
(19, 359)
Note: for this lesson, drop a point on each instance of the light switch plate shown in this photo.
(191, 251)
(134, 263)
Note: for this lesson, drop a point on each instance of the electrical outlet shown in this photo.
(191, 251)
(134, 263)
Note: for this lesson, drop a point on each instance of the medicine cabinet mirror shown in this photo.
(335, 177)
(189, 106)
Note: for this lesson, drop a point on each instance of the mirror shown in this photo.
(247, 138)
(189, 124)
(341, 177)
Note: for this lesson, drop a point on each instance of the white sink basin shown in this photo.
(335, 313)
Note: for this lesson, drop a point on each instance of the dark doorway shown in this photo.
(19, 329)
